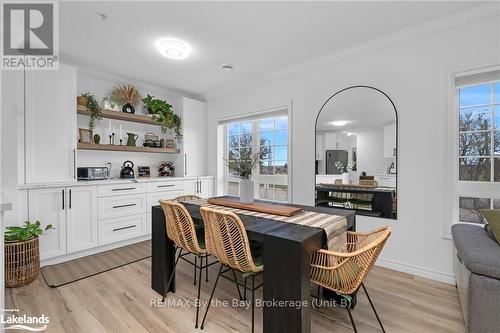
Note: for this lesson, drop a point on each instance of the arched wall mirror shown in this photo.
(356, 152)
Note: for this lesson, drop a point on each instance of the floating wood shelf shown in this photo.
(117, 115)
(92, 146)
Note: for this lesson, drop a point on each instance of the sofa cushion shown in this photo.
(479, 253)
(492, 216)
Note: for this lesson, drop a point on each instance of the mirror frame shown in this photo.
(397, 137)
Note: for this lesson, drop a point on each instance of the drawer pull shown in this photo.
(123, 228)
(127, 205)
(123, 189)
(170, 185)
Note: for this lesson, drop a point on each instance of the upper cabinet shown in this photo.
(50, 120)
(390, 140)
(194, 137)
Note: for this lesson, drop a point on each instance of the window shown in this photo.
(478, 149)
(268, 135)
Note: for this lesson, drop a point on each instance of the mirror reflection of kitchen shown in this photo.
(356, 150)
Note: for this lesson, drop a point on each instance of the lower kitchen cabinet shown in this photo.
(81, 218)
(121, 228)
(202, 187)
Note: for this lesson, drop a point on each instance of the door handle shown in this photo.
(70, 199)
(123, 228)
(74, 165)
(185, 165)
(170, 185)
(122, 206)
(63, 195)
(123, 189)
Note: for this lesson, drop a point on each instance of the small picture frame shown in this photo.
(144, 171)
(85, 135)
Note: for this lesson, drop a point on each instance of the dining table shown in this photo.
(287, 251)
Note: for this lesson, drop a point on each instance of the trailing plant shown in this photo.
(241, 161)
(162, 112)
(26, 232)
(126, 93)
(94, 108)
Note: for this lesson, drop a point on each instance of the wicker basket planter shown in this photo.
(22, 262)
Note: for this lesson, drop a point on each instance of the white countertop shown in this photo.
(108, 182)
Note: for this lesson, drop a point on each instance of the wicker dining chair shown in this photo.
(188, 240)
(344, 271)
(226, 239)
(186, 197)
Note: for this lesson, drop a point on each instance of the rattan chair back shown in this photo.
(344, 270)
(186, 197)
(180, 226)
(226, 239)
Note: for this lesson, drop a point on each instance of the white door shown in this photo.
(190, 187)
(49, 207)
(194, 137)
(205, 188)
(50, 104)
(81, 217)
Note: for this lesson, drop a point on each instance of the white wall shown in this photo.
(371, 152)
(414, 74)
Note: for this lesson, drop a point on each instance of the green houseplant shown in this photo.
(94, 108)
(162, 113)
(22, 253)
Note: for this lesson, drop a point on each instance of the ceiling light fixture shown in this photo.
(339, 123)
(173, 48)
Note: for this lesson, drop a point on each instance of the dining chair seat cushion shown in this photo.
(200, 234)
(257, 250)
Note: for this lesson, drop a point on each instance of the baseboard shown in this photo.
(417, 270)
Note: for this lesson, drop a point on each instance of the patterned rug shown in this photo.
(81, 268)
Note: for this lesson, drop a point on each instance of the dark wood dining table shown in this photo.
(287, 253)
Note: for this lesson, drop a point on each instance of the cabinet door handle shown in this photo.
(74, 164)
(124, 189)
(123, 228)
(70, 199)
(170, 185)
(127, 205)
(63, 195)
(185, 164)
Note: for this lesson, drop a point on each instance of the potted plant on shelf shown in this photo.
(128, 95)
(241, 163)
(94, 108)
(22, 253)
(162, 112)
(345, 170)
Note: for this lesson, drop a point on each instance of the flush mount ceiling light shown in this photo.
(339, 123)
(173, 48)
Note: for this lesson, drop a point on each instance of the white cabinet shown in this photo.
(194, 137)
(123, 205)
(335, 141)
(390, 140)
(121, 228)
(202, 187)
(49, 207)
(50, 120)
(81, 218)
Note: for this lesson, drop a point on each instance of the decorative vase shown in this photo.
(131, 140)
(128, 108)
(162, 143)
(246, 192)
(97, 139)
(345, 178)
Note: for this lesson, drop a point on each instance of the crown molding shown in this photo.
(443, 23)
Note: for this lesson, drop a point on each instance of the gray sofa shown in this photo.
(477, 271)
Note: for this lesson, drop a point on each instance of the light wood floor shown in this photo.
(120, 301)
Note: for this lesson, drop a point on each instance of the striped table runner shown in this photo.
(333, 225)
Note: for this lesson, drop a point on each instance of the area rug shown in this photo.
(81, 268)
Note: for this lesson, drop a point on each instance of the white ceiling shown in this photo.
(365, 109)
(257, 37)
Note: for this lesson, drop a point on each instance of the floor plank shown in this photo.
(121, 300)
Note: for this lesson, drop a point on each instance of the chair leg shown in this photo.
(194, 275)
(237, 285)
(253, 302)
(373, 307)
(245, 290)
(211, 296)
(172, 274)
(199, 289)
(352, 320)
(206, 267)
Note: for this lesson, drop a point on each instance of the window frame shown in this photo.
(462, 188)
(257, 177)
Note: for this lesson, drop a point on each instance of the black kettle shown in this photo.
(127, 170)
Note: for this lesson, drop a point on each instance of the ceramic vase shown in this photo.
(345, 178)
(246, 192)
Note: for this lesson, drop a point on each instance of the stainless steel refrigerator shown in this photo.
(334, 156)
